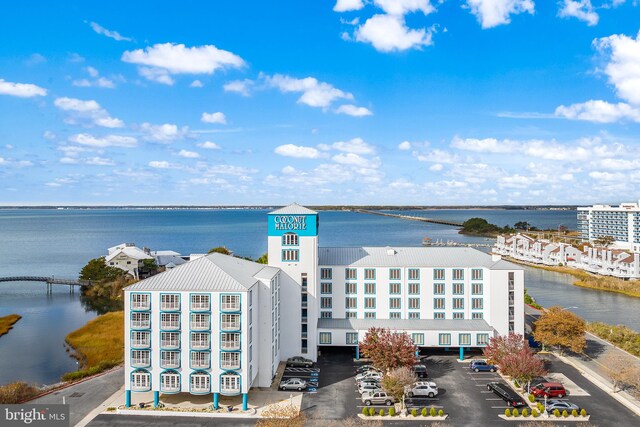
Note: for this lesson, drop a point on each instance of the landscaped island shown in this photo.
(7, 322)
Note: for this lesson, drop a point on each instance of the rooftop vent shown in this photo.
(391, 251)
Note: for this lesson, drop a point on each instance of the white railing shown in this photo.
(140, 305)
(140, 343)
(230, 364)
(229, 389)
(231, 306)
(169, 325)
(200, 364)
(200, 344)
(200, 326)
(170, 344)
(141, 324)
(230, 326)
(198, 306)
(170, 306)
(230, 345)
(144, 387)
(196, 389)
(140, 362)
(169, 389)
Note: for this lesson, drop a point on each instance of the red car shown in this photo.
(549, 390)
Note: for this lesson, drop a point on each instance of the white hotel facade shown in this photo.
(620, 222)
(220, 325)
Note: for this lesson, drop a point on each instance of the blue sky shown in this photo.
(322, 102)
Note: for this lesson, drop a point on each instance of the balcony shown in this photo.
(170, 344)
(230, 364)
(230, 326)
(200, 326)
(170, 388)
(143, 384)
(140, 362)
(140, 305)
(200, 344)
(200, 364)
(199, 306)
(230, 306)
(170, 363)
(511, 318)
(230, 388)
(170, 325)
(141, 343)
(230, 344)
(141, 324)
(170, 306)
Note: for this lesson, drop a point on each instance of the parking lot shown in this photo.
(310, 375)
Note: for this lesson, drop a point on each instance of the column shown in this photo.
(127, 398)
(245, 401)
(357, 352)
(461, 353)
(156, 399)
(216, 400)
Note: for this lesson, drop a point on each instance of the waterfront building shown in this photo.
(221, 325)
(127, 257)
(620, 222)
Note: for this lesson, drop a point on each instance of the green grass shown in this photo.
(7, 322)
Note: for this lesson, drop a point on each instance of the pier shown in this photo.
(411, 218)
(50, 281)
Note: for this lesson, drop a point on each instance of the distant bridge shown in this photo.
(412, 218)
(50, 281)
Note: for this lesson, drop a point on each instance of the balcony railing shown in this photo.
(170, 363)
(143, 343)
(170, 326)
(170, 306)
(230, 326)
(170, 344)
(230, 390)
(141, 324)
(141, 387)
(200, 326)
(230, 345)
(200, 364)
(231, 306)
(169, 388)
(230, 364)
(196, 389)
(511, 317)
(200, 344)
(140, 362)
(199, 306)
(140, 305)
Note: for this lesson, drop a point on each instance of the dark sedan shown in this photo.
(299, 361)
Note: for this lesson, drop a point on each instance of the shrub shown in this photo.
(532, 398)
(441, 413)
(525, 413)
(507, 412)
(17, 392)
(556, 413)
(432, 411)
(574, 413)
(372, 411)
(535, 413)
(414, 412)
(565, 414)
(583, 412)
(392, 412)
(516, 413)
(365, 412)
(516, 383)
(424, 412)
(540, 407)
(381, 413)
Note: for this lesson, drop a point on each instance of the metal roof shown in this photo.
(411, 257)
(407, 324)
(214, 272)
(130, 251)
(293, 209)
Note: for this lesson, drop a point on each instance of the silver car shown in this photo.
(378, 398)
(561, 405)
(369, 388)
(423, 388)
(293, 384)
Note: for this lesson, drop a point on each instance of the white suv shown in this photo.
(423, 388)
(378, 398)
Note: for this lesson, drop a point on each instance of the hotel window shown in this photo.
(476, 303)
(352, 338)
(438, 303)
(369, 273)
(369, 288)
(438, 288)
(231, 302)
(458, 303)
(230, 341)
(325, 314)
(464, 339)
(230, 383)
(458, 316)
(199, 340)
(351, 302)
(140, 339)
(369, 303)
(418, 339)
(290, 255)
(414, 303)
(414, 274)
(414, 315)
(477, 316)
(199, 302)
(170, 339)
(476, 274)
(140, 358)
(290, 239)
(394, 274)
(350, 273)
(250, 298)
(394, 303)
(476, 288)
(482, 339)
(200, 321)
(325, 337)
(169, 359)
(394, 288)
(438, 315)
(325, 288)
(444, 339)
(395, 315)
(350, 288)
(458, 288)
(352, 315)
(200, 383)
(140, 302)
(414, 288)
(230, 322)
(230, 360)
(438, 274)
(325, 273)
(325, 302)
(458, 274)
(369, 315)
(140, 381)
(169, 302)
(169, 321)
(140, 320)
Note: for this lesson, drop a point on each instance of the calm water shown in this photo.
(60, 242)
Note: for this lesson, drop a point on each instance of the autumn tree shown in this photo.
(388, 350)
(502, 345)
(281, 416)
(396, 381)
(522, 365)
(558, 327)
(604, 241)
(621, 369)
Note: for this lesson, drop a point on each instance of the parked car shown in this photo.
(369, 388)
(369, 382)
(378, 398)
(482, 366)
(506, 393)
(293, 384)
(549, 390)
(370, 375)
(365, 368)
(299, 361)
(422, 388)
(420, 371)
(561, 405)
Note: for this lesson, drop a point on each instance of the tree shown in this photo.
(621, 369)
(396, 381)
(479, 226)
(604, 241)
(522, 365)
(220, 250)
(521, 225)
(502, 345)
(558, 327)
(388, 350)
(97, 270)
(264, 259)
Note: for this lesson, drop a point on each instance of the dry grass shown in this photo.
(17, 392)
(6, 323)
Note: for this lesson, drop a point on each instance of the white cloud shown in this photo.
(404, 146)
(209, 145)
(15, 163)
(49, 135)
(491, 13)
(243, 87)
(164, 133)
(99, 161)
(161, 164)
(347, 5)
(217, 117)
(353, 110)
(487, 145)
(92, 71)
(169, 58)
(623, 68)
(288, 170)
(402, 7)
(106, 141)
(298, 151)
(437, 156)
(580, 9)
(59, 182)
(69, 160)
(96, 81)
(388, 33)
(22, 90)
(355, 145)
(436, 168)
(86, 112)
(196, 83)
(356, 160)
(314, 93)
(188, 154)
(599, 111)
(36, 59)
(108, 33)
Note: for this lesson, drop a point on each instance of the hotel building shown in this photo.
(620, 222)
(220, 325)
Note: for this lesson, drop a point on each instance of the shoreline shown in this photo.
(7, 323)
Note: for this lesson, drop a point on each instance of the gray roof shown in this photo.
(406, 324)
(214, 272)
(163, 260)
(411, 257)
(293, 209)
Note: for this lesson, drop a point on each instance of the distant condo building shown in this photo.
(221, 325)
(620, 222)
